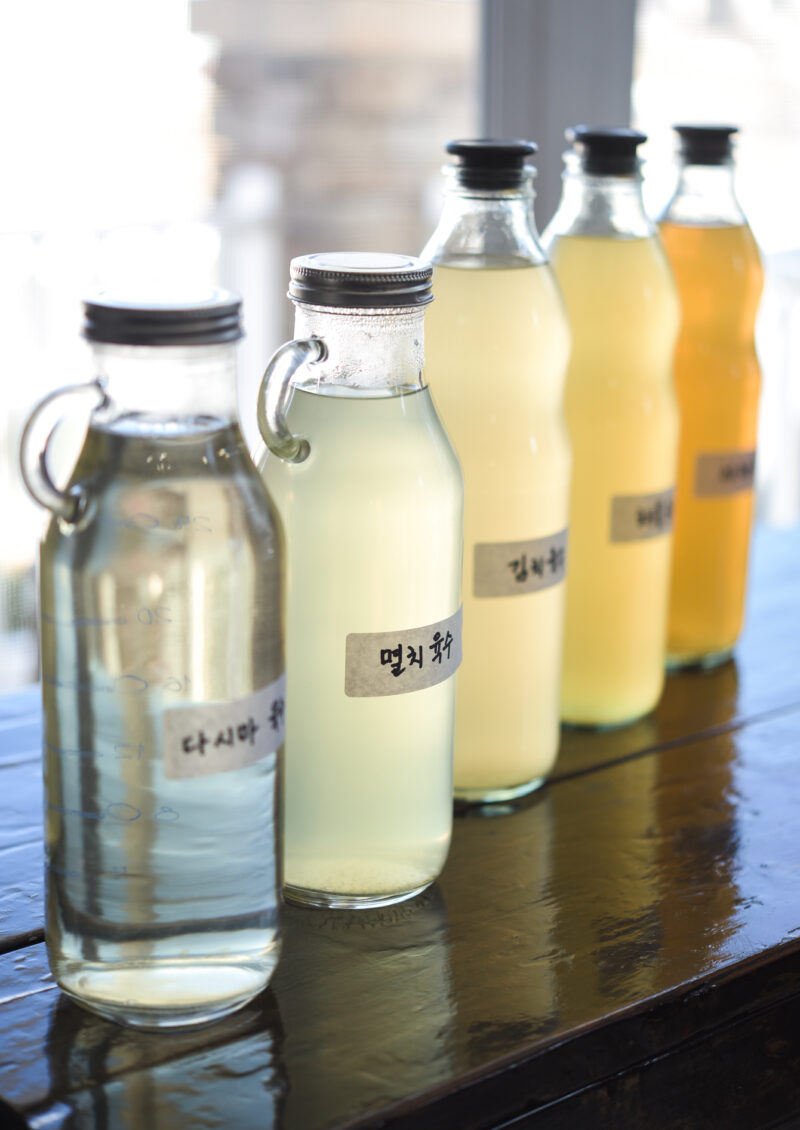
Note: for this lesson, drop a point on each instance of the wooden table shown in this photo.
(620, 951)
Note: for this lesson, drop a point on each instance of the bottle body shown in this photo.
(162, 673)
(623, 424)
(372, 522)
(372, 513)
(497, 348)
(719, 278)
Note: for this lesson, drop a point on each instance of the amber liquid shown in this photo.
(717, 379)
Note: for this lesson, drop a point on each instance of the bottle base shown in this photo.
(677, 661)
(605, 727)
(337, 900)
(165, 996)
(498, 796)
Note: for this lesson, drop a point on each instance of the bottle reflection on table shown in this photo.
(697, 836)
(502, 904)
(376, 979)
(230, 1073)
(642, 860)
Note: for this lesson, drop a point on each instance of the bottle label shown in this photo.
(215, 737)
(512, 568)
(638, 516)
(724, 472)
(384, 663)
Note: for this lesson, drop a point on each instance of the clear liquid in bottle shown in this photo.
(161, 890)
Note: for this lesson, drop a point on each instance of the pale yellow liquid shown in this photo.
(372, 521)
(497, 344)
(623, 423)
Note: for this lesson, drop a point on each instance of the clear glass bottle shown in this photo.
(497, 351)
(162, 676)
(717, 267)
(623, 424)
(370, 494)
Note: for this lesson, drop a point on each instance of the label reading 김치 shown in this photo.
(638, 516)
(206, 738)
(387, 663)
(512, 568)
(724, 472)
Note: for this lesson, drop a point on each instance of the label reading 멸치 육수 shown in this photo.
(511, 568)
(215, 737)
(384, 663)
(638, 516)
(724, 472)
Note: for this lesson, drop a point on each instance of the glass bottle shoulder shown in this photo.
(718, 271)
(355, 437)
(172, 488)
(612, 279)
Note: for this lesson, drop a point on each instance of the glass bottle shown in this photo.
(370, 495)
(717, 267)
(623, 423)
(162, 676)
(497, 351)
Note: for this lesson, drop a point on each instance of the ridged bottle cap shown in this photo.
(119, 321)
(360, 279)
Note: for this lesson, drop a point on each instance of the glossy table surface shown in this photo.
(620, 950)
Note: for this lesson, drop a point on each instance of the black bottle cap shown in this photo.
(490, 163)
(705, 145)
(117, 321)
(606, 152)
(360, 279)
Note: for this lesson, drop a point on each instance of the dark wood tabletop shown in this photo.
(621, 950)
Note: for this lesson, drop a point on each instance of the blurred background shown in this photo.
(214, 139)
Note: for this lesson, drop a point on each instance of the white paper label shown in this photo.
(216, 737)
(638, 516)
(384, 663)
(512, 568)
(724, 472)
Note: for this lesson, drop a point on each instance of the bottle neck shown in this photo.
(705, 196)
(483, 228)
(377, 352)
(594, 205)
(158, 388)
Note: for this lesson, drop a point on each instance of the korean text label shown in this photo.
(203, 739)
(389, 663)
(513, 568)
(638, 516)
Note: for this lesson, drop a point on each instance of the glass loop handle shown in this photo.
(273, 396)
(37, 434)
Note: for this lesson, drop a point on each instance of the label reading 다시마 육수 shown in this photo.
(724, 472)
(386, 663)
(638, 516)
(512, 568)
(203, 739)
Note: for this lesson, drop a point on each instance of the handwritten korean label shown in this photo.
(216, 737)
(638, 516)
(512, 568)
(724, 472)
(384, 663)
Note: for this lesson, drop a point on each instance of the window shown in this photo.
(215, 139)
